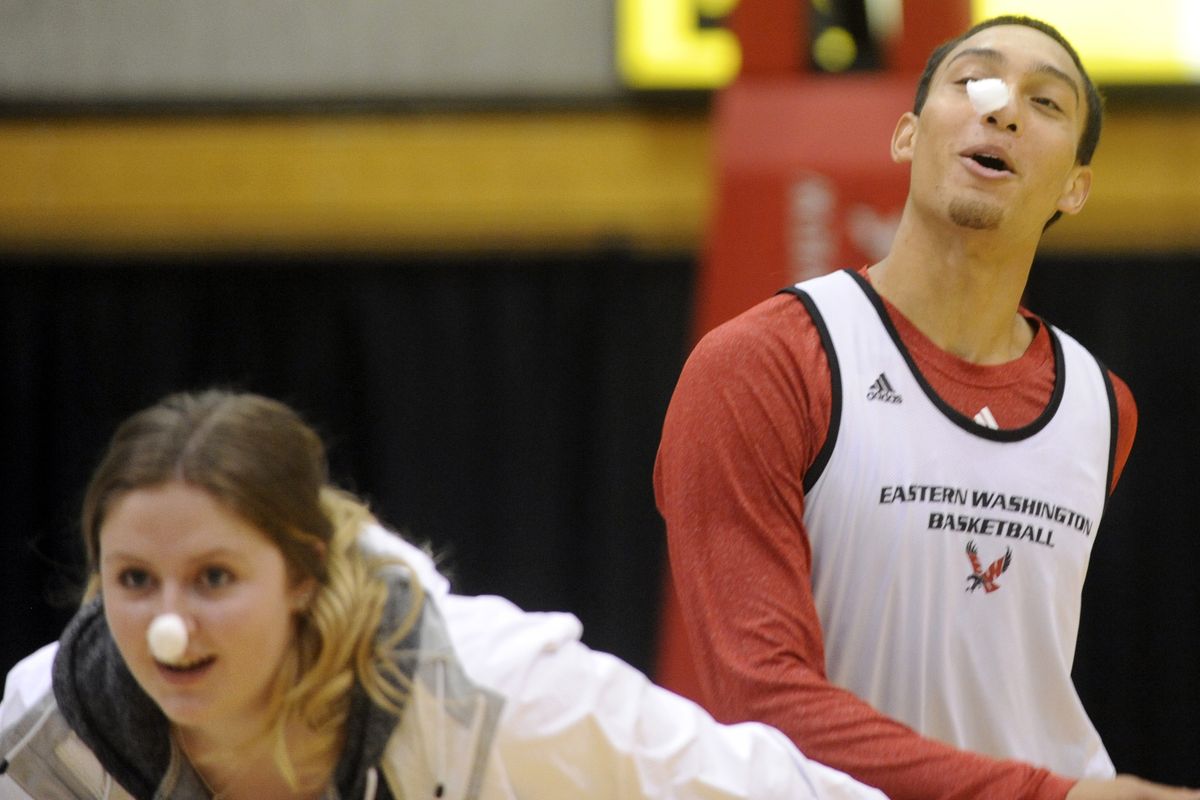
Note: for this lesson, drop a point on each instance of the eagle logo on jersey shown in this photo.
(986, 580)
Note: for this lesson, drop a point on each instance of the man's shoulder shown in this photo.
(776, 320)
(774, 343)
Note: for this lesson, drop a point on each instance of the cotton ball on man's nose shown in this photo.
(988, 94)
(168, 638)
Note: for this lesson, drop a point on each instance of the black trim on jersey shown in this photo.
(961, 420)
(835, 374)
(1114, 425)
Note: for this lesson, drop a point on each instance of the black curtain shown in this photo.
(504, 409)
(1139, 645)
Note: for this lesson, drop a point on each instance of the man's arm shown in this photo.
(1127, 419)
(1127, 787)
(740, 433)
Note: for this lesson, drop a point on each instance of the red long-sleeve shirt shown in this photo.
(749, 414)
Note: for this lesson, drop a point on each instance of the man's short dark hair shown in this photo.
(1095, 103)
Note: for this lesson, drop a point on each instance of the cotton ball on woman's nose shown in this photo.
(168, 637)
(988, 94)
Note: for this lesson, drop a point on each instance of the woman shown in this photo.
(316, 655)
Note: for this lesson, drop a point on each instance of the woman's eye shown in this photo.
(215, 577)
(134, 579)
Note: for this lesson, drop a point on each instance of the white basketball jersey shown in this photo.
(949, 557)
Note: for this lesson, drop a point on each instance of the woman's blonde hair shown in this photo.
(258, 458)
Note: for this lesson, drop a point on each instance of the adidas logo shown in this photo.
(882, 389)
(985, 418)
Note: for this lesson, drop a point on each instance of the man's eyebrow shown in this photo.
(1055, 72)
(988, 54)
(985, 53)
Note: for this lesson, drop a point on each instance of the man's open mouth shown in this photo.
(990, 161)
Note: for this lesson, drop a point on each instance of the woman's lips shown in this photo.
(187, 672)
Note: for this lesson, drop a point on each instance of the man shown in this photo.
(881, 489)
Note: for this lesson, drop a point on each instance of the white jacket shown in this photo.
(505, 704)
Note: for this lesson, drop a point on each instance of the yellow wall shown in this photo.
(466, 182)
(352, 182)
(1146, 192)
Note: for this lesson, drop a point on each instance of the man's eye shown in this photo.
(134, 579)
(1048, 103)
(215, 577)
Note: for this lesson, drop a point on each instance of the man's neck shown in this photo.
(962, 289)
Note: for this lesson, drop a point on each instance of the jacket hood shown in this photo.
(369, 726)
(106, 707)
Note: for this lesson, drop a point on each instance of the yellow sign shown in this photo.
(661, 44)
(1120, 41)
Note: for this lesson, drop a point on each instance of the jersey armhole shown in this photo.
(1114, 416)
(835, 388)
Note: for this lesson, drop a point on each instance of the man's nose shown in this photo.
(1004, 117)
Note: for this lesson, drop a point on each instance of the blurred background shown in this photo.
(473, 242)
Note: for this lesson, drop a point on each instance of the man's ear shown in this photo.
(1075, 191)
(904, 138)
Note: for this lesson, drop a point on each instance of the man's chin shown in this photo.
(975, 215)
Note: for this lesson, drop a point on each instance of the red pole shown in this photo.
(773, 35)
(926, 24)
